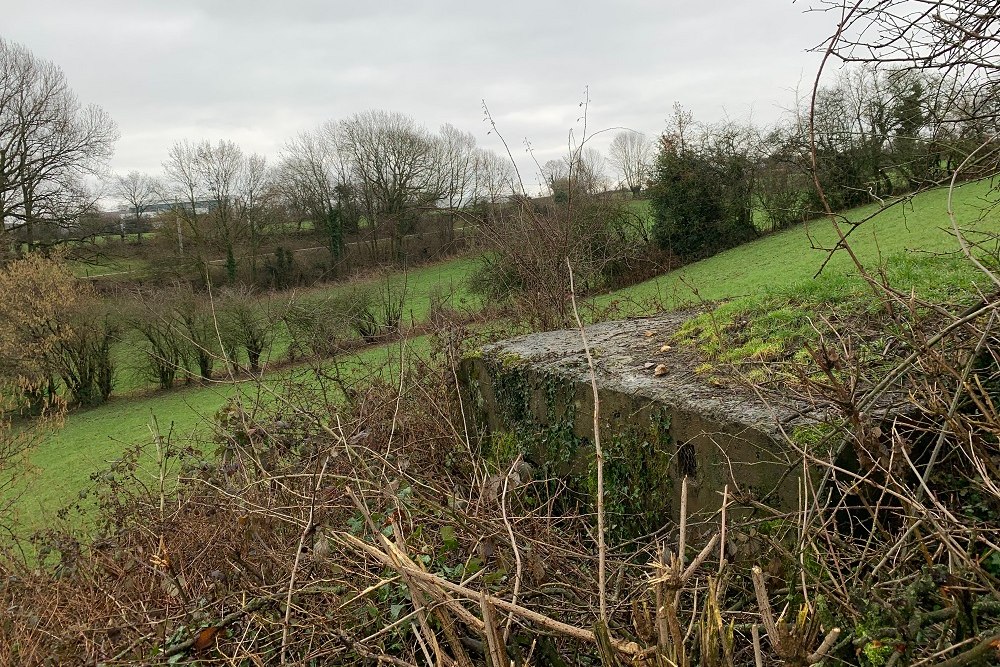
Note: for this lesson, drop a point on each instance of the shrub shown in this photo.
(318, 327)
(701, 203)
(377, 314)
(247, 324)
(782, 200)
(529, 242)
(196, 320)
(152, 317)
(281, 270)
(87, 367)
(53, 328)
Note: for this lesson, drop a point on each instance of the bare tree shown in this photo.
(231, 188)
(253, 194)
(138, 191)
(493, 178)
(579, 172)
(389, 160)
(454, 162)
(959, 42)
(182, 175)
(959, 36)
(630, 155)
(184, 186)
(235, 184)
(308, 177)
(218, 170)
(555, 172)
(590, 170)
(49, 143)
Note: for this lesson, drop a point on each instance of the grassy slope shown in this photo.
(89, 439)
(786, 258)
(444, 280)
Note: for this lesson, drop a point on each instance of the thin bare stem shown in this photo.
(286, 625)
(598, 454)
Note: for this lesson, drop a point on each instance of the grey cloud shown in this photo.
(258, 71)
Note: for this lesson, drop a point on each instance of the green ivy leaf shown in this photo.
(448, 537)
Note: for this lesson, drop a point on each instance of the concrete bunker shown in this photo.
(532, 395)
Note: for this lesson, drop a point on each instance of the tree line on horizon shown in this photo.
(876, 132)
(375, 168)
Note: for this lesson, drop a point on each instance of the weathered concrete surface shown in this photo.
(654, 428)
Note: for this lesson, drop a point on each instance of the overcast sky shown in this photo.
(257, 71)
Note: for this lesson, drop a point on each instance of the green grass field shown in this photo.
(792, 256)
(107, 264)
(443, 281)
(89, 440)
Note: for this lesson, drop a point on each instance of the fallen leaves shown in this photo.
(205, 638)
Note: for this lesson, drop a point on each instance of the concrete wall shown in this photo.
(534, 395)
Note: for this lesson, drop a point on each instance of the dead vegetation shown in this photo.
(375, 532)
